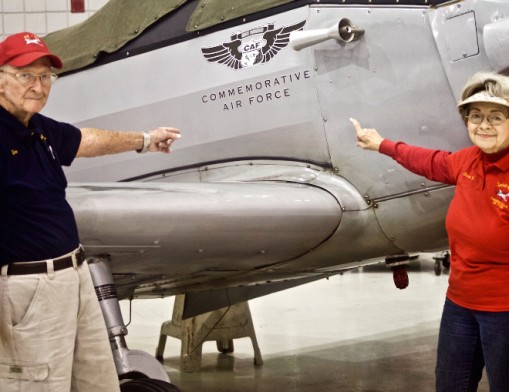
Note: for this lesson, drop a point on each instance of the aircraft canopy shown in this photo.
(121, 21)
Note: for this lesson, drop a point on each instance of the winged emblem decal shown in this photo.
(255, 46)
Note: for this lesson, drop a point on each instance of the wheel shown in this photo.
(446, 262)
(400, 276)
(438, 267)
(225, 349)
(148, 385)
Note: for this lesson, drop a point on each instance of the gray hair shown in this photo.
(497, 85)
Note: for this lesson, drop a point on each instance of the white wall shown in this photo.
(41, 16)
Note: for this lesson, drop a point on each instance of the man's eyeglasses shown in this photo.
(27, 78)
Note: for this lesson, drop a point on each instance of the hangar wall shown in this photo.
(42, 16)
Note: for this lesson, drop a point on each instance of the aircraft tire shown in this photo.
(148, 385)
(225, 349)
(447, 260)
(437, 268)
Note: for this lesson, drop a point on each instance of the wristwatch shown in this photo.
(146, 143)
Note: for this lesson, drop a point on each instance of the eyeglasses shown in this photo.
(27, 78)
(493, 118)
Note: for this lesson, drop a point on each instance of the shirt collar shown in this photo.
(499, 160)
(9, 123)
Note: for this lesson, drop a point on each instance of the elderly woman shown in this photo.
(474, 330)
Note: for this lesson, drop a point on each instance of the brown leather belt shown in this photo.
(41, 267)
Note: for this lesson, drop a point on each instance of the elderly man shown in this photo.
(52, 334)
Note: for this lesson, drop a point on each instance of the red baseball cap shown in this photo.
(22, 49)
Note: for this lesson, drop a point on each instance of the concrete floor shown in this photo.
(353, 332)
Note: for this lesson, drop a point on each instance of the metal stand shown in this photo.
(129, 363)
(222, 325)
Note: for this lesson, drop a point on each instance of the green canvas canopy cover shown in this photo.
(120, 21)
(209, 13)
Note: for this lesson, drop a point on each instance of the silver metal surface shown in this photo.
(266, 183)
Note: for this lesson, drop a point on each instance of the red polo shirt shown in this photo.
(477, 221)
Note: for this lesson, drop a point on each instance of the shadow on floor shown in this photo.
(403, 361)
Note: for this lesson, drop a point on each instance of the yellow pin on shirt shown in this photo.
(14, 152)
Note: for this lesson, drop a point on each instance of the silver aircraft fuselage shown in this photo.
(266, 183)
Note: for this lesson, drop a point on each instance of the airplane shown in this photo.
(266, 189)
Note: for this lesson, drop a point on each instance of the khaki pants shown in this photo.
(52, 334)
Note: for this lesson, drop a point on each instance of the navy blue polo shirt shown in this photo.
(36, 221)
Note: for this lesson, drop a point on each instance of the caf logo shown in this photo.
(255, 46)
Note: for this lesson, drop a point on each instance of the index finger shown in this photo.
(175, 133)
(356, 124)
(169, 129)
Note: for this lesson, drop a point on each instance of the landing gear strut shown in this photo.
(140, 370)
(399, 266)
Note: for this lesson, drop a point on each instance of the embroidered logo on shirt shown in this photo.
(502, 195)
(499, 204)
(468, 176)
(44, 140)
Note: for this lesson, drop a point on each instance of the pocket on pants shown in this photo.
(22, 293)
(23, 376)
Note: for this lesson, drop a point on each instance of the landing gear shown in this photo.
(140, 371)
(442, 262)
(399, 266)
